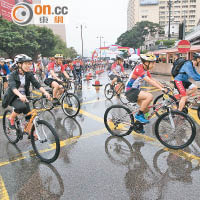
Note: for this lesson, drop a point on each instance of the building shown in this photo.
(142, 10)
(6, 8)
(174, 29)
(158, 11)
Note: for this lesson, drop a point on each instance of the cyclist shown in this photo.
(4, 70)
(117, 69)
(181, 80)
(78, 70)
(18, 88)
(69, 66)
(133, 92)
(56, 69)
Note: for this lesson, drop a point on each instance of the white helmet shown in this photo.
(135, 58)
(22, 58)
(2, 59)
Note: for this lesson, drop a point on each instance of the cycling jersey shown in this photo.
(118, 68)
(58, 69)
(77, 65)
(137, 77)
(68, 67)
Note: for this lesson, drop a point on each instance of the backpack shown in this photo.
(177, 66)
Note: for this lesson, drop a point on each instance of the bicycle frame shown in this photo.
(156, 106)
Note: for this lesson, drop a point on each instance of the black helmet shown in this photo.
(21, 58)
(196, 55)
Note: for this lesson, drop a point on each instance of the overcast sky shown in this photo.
(107, 18)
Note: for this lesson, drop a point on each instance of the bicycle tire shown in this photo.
(13, 141)
(1, 90)
(181, 117)
(37, 104)
(198, 112)
(122, 96)
(68, 110)
(118, 123)
(56, 138)
(107, 90)
(47, 104)
(160, 97)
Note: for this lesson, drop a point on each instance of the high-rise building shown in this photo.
(158, 11)
(6, 8)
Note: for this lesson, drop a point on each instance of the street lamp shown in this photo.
(81, 27)
(100, 37)
(170, 6)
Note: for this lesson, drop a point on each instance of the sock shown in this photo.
(140, 112)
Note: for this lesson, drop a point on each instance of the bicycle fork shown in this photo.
(37, 131)
(171, 119)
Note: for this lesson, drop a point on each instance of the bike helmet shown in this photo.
(148, 58)
(2, 59)
(135, 58)
(21, 58)
(196, 55)
(58, 56)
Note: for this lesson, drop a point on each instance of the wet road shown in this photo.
(93, 165)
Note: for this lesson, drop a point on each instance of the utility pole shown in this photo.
(169, 5)
(81, 27)
(184, 23)
(100, 37)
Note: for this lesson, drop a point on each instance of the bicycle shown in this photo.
(192, 100)
(170, 128)
(111, 91)
(69, 102)
(44, 139)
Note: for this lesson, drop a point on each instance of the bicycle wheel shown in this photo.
(12, 135)
(175, 130)
(118, 120)
(47, 144)
(165, 102)
(198, 112)
(47, 104)
(1, 88)
(37, 104)
(122, 96)
(70, 104)
(108, 91)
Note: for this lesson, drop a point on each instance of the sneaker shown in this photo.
(12, 124)
(141, 119)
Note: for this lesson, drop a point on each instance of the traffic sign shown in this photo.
(184, 46)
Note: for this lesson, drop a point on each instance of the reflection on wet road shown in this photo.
(94, 165)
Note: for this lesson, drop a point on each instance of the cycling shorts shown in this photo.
(112, 76)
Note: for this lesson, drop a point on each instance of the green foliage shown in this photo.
(169, 43)
(31, 40)
(136, 36)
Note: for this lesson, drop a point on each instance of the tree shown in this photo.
(136, 36)
(31, 40)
